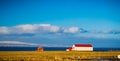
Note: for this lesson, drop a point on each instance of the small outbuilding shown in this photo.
(69, 49)
(40, 49)
(82, 47)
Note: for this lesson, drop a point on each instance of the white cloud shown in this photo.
(47, 28)
(112, 31)
(29, 28)
(16, 43)
(23, 44)
(43, 25)
(37, 28)
(4, 30)
(71, 30)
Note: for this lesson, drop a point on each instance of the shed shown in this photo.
(69, 49)
(40, 49)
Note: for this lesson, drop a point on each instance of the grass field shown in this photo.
(58, 56)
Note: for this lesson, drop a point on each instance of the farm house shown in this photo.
(81, 47)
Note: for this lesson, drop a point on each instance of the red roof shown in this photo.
(70, 48)
(83, 45)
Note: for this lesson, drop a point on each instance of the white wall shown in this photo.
(83, 48)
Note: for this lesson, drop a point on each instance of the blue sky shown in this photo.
(63, 22)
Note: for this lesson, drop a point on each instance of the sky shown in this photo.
(60, 22)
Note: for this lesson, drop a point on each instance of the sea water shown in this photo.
(49, 49)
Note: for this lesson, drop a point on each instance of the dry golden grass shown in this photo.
(56, 55)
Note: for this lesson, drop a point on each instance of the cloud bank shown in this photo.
(30, 29)
(16, 43)
(37, 28)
